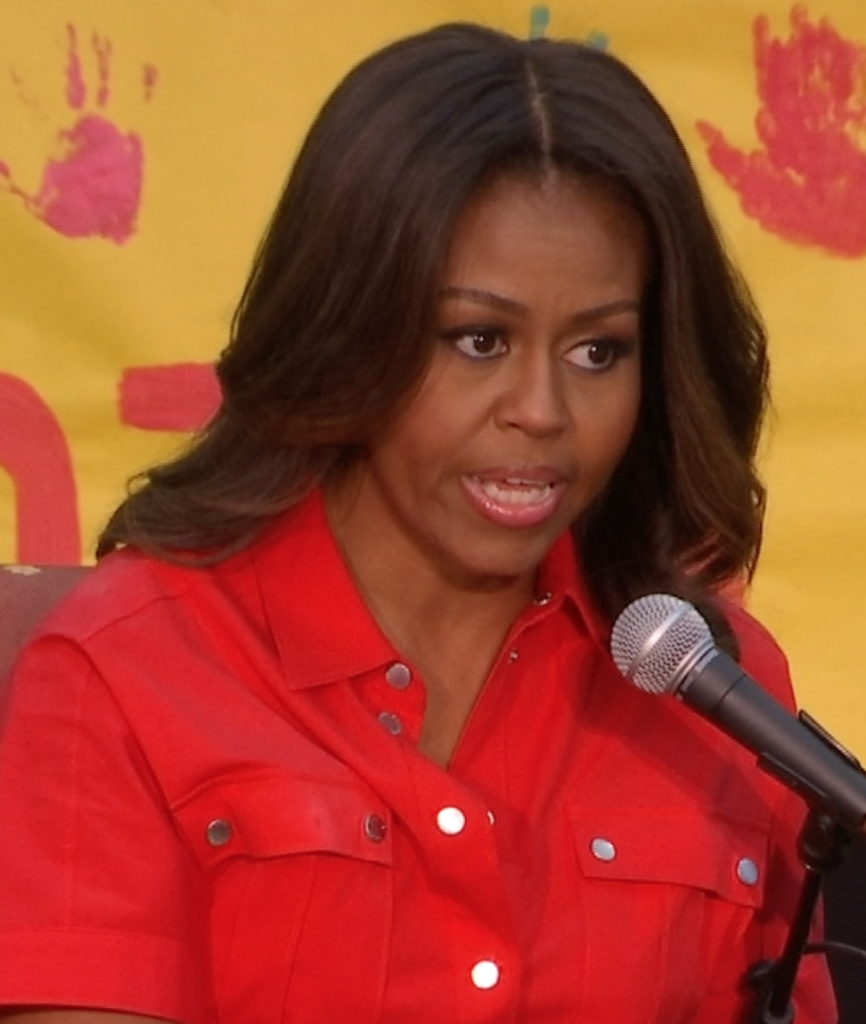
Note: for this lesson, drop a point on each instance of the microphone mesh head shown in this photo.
(656, 640)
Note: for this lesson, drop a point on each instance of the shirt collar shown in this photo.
(561, 581)
(321, 626)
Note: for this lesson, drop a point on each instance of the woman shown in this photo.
(332, 733)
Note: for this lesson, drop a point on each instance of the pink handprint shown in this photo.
(91, 184)
(808, 183)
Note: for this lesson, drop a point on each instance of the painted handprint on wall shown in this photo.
(808, 182)
(92, 180)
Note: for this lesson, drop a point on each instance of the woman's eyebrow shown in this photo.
(486, 298)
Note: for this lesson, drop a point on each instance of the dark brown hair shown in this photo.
(332, 336)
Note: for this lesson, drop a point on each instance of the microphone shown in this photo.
(664, 646)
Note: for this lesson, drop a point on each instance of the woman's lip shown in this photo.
(515, 497)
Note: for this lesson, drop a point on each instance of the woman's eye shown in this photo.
(479, 344)
(598, 354)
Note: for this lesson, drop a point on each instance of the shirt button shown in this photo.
(398, 676)
(391, 722)
(747, 871)
(485, 974)
(219, 832)
(375, 828)
(451, 821)
(544, 598)
(513, 655)
(603, 849)
(491, 817)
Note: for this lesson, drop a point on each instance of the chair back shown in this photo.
(845, 921)
(27, 594)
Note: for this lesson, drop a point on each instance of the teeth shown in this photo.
(518, 492)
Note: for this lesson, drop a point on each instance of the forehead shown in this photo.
(578, 229)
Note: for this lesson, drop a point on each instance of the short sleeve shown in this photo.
(100, 902)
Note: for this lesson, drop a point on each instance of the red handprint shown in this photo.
(808, 184)
(91, 185)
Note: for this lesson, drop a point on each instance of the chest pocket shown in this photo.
(723, 857)
(301, 895)
(669, 899)
(263, 816)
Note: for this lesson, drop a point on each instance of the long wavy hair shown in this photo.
(332, 334)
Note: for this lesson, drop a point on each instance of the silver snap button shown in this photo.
(375, 828)
(451, 821)
(747, 871)
(398, 675)
(219, 832)
(485, 974)
(602, 849)
(391, 722)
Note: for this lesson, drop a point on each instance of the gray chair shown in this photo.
(27, 592)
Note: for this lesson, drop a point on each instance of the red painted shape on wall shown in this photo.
(34, 452)
(183, 396)
(808, 182)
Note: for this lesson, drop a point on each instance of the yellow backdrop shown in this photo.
(143, 144)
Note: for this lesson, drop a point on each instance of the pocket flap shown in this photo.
(721, 856)
(277, 815)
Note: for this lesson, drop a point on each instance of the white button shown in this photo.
(398, 676)
(603, 849)
(391, 722)
(485, 974)
(491, 817)
(543, 598)
(747, 871)
(451, 820)
(513, 655)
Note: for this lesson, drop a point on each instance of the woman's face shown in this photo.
(531, 396)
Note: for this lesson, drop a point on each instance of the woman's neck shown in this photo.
(450, 627)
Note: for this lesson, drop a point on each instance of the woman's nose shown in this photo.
(533, 398)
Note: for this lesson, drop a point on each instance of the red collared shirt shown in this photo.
(213, 809)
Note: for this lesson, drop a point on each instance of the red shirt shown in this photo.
(213, 809)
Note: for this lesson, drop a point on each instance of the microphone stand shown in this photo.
(822, 846)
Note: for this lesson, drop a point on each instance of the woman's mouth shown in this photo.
(514, 500)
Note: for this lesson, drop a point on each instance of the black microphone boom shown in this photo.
(663, 645)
